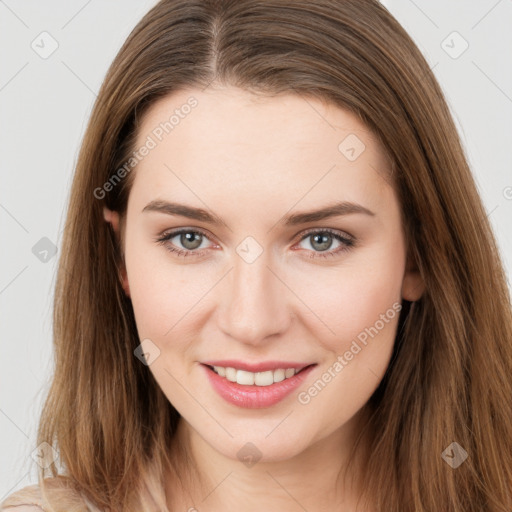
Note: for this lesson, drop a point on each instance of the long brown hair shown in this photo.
(450, 375)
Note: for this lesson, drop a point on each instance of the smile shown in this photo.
(246, 378)
(255, 390)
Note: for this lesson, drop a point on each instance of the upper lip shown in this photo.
(257, 367)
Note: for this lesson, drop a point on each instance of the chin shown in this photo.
(251, 448)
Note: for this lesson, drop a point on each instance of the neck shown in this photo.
(319, 478)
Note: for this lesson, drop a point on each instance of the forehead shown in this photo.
(229, 141)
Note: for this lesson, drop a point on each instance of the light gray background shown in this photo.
(44, 107)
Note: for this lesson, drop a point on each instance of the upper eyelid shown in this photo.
(168, 234)
(332, 231)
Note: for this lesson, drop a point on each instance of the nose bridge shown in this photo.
(254, 305)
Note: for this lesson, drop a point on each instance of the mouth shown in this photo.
(261, 378)
(256, 390)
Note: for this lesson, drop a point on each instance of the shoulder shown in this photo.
(27, 499)
(30, 499)
(22, 508)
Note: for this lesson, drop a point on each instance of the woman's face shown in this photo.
(257, 278)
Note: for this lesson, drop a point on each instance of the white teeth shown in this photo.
(289, 372)
(231, 374)
(246, 378)
(279, 375)
(220, 370)
(264, 378)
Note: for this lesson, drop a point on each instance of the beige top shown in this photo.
(23, 508)
(30, 498)
(27, 499)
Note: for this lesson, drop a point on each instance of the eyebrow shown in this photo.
(334, 210)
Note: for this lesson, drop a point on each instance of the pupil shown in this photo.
(325, 242)
(191, 240)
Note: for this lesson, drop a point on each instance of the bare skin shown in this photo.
(252, 161)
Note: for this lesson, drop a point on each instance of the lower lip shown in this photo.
(255, 397)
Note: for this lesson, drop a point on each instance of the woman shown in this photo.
(278, 286)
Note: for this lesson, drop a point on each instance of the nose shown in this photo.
(253, 306)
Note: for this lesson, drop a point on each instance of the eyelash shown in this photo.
(347, 242)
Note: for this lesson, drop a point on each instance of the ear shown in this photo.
(112, 217)
(413, 285)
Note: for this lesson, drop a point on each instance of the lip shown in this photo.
(255, 397)
(257, 367)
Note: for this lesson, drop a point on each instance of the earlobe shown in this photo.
(124, 281)
(413, 284)
(112, 217)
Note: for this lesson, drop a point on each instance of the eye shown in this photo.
(321, 240)
(190, 240)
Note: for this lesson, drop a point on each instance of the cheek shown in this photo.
(354, 296)
(361, 306)
(158, 291)
(338, 303)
